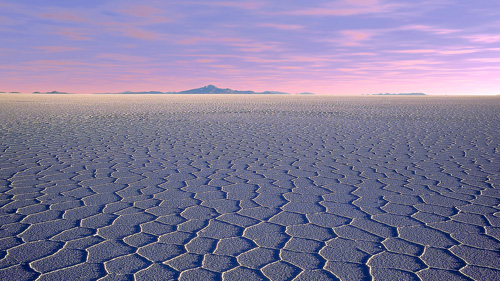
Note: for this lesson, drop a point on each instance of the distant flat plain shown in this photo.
(211, 187)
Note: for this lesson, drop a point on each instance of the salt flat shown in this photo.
(249, 187)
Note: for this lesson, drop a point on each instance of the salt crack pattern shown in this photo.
(249, 188)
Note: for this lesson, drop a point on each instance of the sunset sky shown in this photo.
(325, 47)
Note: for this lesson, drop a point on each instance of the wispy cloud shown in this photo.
(484, 38)
(131, 30)
(190, 40)
(123, 58)
(413, 62)
(355, 37)
(137, 21)
(77, 34)
(363, 54)
(248, 5)
(487, 60)
(147, 14)
(139, 33)
(57, 49)
(258, 47)
(66, 16)
(458, 52)
(363, 2)
(349, 37)
(57, 63)
(427, 28)
(416, 51)
(294, 59)
(348, 8)
(444, 51)
(205, 60)
(281, 26)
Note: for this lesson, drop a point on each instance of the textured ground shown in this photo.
(249, 188)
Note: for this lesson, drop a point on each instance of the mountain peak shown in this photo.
(208, 89)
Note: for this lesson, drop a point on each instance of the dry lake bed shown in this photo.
(186, 187)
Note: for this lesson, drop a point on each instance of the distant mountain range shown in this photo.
(53, 93)
(400, 94)
(209, 89)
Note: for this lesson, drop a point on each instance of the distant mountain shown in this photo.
(305, 93)
(273, 93)
(209, 89)
(400, 94)
(54, 93)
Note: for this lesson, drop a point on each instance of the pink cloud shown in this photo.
(57, 49)
(331, 12)
(363, 54)
(312, 59)
(282, 26)
(257, 47)
(59, 62)
(64, 16)
(353, 37)
(413, 62)
(231, 40)
(289, 67)
(484, 38)
(205, 60)
(348, 8)
(450, 51)
(488, 60)
(212, 56)
(240, 44)
(124, 58)
(190, 41)
(147, 13)
(458, 52)
(348, 69)
(39, 66)
(74, 34)
(131, 30)
(142, 11)
(363, 2)
(418, 51)
(139, 33)
(249, 5)
(430, 29)
(223, 66)
(285, 60)
(356, 35)
(263, 60)
(212, 38)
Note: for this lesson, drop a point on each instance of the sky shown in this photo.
(335, 47)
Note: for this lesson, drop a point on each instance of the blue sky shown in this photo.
(326, 47)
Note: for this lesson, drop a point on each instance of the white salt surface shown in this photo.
(249, 188)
